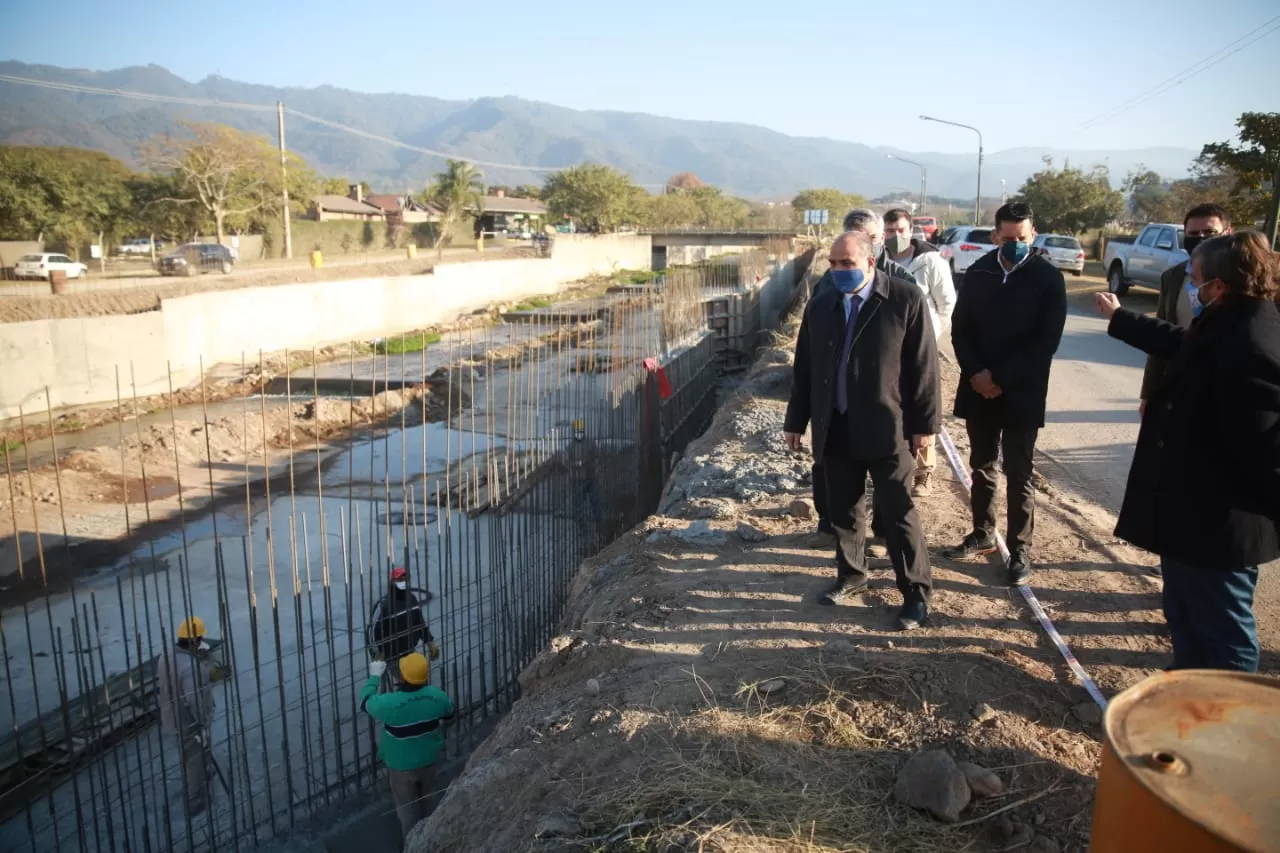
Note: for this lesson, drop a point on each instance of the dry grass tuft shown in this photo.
(789, 770)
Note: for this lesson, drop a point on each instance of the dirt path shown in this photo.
(651, 718)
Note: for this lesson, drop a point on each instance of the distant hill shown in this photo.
(744, 159)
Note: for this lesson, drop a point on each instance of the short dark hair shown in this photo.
(896, 214)
(1208, 210)
(1014, 211)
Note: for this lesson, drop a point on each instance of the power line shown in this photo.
(235, 105)
(1220, 55)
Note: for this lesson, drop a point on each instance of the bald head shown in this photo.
(853, 250)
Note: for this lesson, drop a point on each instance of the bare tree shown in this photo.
(225, 171)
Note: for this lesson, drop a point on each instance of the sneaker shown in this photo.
(1019, 568)
(914, 612)
(844, 591)
(876, 548)
(826, 527)
(924, 484)
(976, 544)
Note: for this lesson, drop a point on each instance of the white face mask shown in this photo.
(203, 646)
(401, 585)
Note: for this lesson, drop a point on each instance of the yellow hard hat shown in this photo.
(414, 669)
(191, 629)
(579, 425)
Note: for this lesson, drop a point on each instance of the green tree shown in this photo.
(456, 191)
(154, 213)
(599, 197)
(1149, 198)
(1070, 200)
(67, 194)
(335, 186)
(716, 210)
(672, 211)
(226, 171)
(836, 202)
(1251, 169)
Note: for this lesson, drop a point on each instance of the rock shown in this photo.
(749, 533)
(932, 781)
(1041, 844)
(1039, 818)
(556, 825)
(1087, 712)
(983, 712)
(1005, 826)
(593, 687)
(1022, 835)
(982, 782)
(701, 533)
(801, 508)
(839, 646)
(773, 685)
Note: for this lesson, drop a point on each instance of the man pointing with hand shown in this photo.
(866, 377)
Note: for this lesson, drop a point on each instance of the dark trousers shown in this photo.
(1210, 616)
(986, 440)
(820, 502)
(846, 482)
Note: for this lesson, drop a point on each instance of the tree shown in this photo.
(335, 186)
(1071, 200)
(1248, 168)
(67, 194)
(600, 197)
(1149, 198)
(836, 202)
(155, 213)
(225, 171)
(684, 181)
(672, 211)
(456, 190)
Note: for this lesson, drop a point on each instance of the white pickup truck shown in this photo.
(1143, 260)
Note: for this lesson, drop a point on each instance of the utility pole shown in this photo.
(1273, 220)
(284, 183)
(977, 206)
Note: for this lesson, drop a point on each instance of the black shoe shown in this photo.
(826, 527)
(844, 591)
(914, 612)
(1019, 568)
(976, 544)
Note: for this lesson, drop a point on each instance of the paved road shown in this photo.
(1092, 423)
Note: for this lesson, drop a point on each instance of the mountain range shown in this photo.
(744, 159)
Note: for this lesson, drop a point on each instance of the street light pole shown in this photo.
(977, 205)
(924, 178)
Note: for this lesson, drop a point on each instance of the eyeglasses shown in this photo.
(843, 263)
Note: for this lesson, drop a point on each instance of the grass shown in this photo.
(8, 446)
(534, 302)
(413, 342)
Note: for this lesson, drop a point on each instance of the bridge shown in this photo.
(686, 245)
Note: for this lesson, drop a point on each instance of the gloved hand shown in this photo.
(376, 668)
(433, 651)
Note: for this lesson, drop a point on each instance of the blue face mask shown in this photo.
(1015, 251)
(848, 281)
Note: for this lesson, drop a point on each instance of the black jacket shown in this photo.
(893, 369)
(396, 625)
(1204, 487)
(1172, 282)
(1010, 325)
(893, 269)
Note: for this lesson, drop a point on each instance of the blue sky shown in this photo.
(1026, 76)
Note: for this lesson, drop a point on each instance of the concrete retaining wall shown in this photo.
(77, 358)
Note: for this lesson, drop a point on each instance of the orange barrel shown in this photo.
(1191, 764)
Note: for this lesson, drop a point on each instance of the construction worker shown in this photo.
(396, 626)
(185, 676)
(582, 458)
(412, 738)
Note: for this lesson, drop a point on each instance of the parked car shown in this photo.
(918, 234)
(1062, 251)
(136, 246)
(1142, 261)
(195, 258)
(964, 245)
(42, 264)
(927, 224)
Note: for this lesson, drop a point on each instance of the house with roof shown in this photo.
(352, 206)
(403, 209)
(501, 214)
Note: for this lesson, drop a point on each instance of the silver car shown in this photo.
(1062, 251)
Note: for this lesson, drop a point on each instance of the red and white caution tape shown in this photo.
(962, 474)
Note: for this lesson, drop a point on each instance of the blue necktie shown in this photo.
(846, 347)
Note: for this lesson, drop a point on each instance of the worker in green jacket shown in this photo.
(413, 719)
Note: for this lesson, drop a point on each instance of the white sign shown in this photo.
(816, 217)
(95, 252)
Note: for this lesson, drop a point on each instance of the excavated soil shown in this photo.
(700, 699)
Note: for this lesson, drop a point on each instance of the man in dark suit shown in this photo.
(1006, 327)
(866, 376)
(1178, 303)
